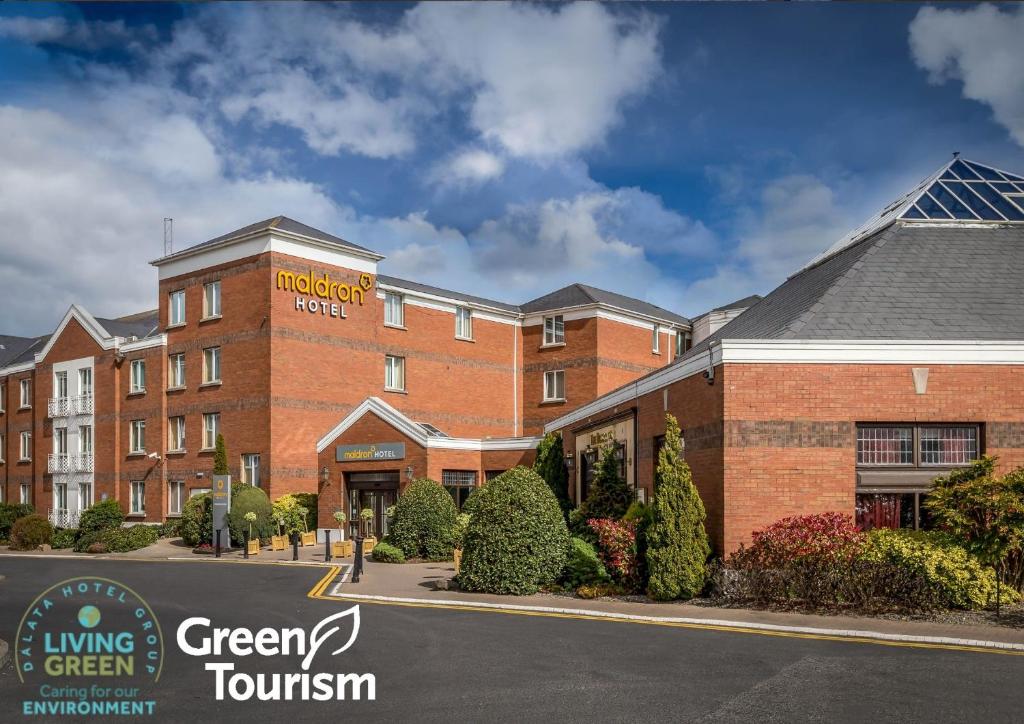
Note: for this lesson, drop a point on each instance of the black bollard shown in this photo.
(295, 546)
(357, 564)
(245, 543)
(216, 546)
(327, 545)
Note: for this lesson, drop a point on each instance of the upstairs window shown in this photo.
(656, 339)
(251, 469)
(394, 310)
(138, 381)
(176, 308)
(554, 386)
(211, 428)
(60, 385)
(211, 365)
(394, 373)
(85, 439)
(137, 437)
(25, 451)
(176, 370)
(176, 434)
(60, 441)
(26, 393)
(3, 452)
(463, 323)
(554, 330)
(85, 382)
(211, 300)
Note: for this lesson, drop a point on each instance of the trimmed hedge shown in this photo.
(99, 516)
(10, 512)
(423, 522)
(249, 498)
(517, 540)
(30, 532)
(196, 524)
(64, 538)
(117, 540)
(384, 553)
(583, 567)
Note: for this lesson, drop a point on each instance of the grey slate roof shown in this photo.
(25, 352)
(744, 303)
(282, 223)
(427, 289)
(576, 295)
(11, 347)
(139, 325)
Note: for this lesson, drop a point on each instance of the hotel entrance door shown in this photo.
(376, 491)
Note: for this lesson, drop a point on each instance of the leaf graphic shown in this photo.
(324, 630)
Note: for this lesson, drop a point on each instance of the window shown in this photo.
(60, 497)
(84, 495)
(682, 342)
(176, 370)
(198, 491)
(3, 395)
(554, 385)
(85, 439)
(211, 365)
(175, 497)
(917, 445)
(885, 446)
(176, 308)
(26, 393)
(2, 499)
(463, 323)
(394, 373)
(211, 426)
(211, 300)
(554, 330)
(26, 494)
(25, 452)
(656, 339)
(60, 385)
(138, 381)
(85, 381)
(460, 483)
(60, 441)
(948, 445)
(138, 495)
(394, 310)
(175, 434)
(137, 435)
(490, 475)
(251, 469)
(3, 448)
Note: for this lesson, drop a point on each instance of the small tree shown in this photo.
(677, 544)
(609, 496)
(550, 465)
(220, 458)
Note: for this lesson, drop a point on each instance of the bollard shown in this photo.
(245, 544)
(295, 546)
(327, 545)
(216, 545)
(357, 563)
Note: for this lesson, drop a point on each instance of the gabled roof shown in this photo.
(744, 303)
(438, 291)
(13, 348)
(578, 295)
(141, 325)
(276, 223)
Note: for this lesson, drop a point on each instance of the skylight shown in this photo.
(431, 430)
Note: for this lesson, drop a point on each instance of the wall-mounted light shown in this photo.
(408, 473)
(570, 460)
(325, 475)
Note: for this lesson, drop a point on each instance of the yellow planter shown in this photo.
(307, 539)
(341, 549)
(368, 544)
(458, 559)
(254, 546)
(278, 542)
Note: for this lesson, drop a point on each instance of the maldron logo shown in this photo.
(89, 647)
(197, 637)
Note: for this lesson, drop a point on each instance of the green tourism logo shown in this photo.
(89, 647)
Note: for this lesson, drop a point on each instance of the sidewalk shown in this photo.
(414, 582)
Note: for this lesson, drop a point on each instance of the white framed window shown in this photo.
(60, 385)
(176, 370)
(26, 393)
(394, 310)
(394, 373)
(211, 365)
(138, 380)
(554, 385)
(3, 449)
(25, 494)
(138, 497)
(3, 396)
(176, 308)
(25, 451)
(211, 426)
(251, 468)
(680, 343)
(175, 497)
(175, 434)
(463, 323)
(137, 436)
(60, 497)
(85, 439)
(656, 339)
(60, 441)
(2, 500)
(554, 329)
(85, 381)
(211, 300)
(84, 495)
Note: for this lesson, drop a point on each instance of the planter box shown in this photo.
(307, 539)
(369, 543)
(458, 559)
(341, 549)
(278, 542)
(254, 546)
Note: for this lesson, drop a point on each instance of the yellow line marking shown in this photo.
(317, 593)
(197, 559)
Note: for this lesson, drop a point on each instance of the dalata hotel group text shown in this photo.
(895, 355)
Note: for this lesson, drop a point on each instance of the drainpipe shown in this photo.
(515, 380)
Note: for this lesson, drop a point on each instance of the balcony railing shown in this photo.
(82, 463)
(66, 406)
(63, 518)
(82, 405)
(56, 463)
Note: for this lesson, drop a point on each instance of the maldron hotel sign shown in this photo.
(322, 295)
(370, 453)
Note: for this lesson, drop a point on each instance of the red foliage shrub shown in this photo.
(616, 544)
(822, 538)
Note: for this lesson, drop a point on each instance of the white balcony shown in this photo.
(81, 463)
(56, 463)
(59, 407)
(62, 518)
(81, 405)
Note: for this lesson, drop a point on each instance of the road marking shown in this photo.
(169, 559)
(863, 637)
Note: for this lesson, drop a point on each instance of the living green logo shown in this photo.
(89, 647)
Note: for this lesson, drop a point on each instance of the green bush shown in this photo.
(250, 499)
(64, 538)
(384, 553)
(517, 540)
(291, 509)
(30, 532)
(459, 532)
(309, 501)
(550, 465)
(609, 497)
(10, 512)
(196, 524)
(117, 540)
(423, 522)
(583, 567)
(469, 504)
(958, 578)
(677, 544)
(104, 514)
(170, 528)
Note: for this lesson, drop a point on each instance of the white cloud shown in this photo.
(983, 47)
(469, 167)
(79, 35)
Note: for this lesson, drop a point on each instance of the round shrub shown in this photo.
(30, 532)
(10, 512)
(423, 522)
(822, 537)
(516, 540)
(583, 567)
(196, 524)
(250, 499)
(64, 538)
(104, 514)
(384, 553)
(118, 540)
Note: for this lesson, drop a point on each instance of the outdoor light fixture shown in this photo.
(408, 473)
(569, 459)
(325, 475)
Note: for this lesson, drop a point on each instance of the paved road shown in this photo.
(443, 665)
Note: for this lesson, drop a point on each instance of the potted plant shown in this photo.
(307, 537)
(279, 542)
(341, 548)
(253, 543)
(369, 541)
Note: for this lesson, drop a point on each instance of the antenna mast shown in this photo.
(168, 236)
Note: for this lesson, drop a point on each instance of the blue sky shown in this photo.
(687, 154)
